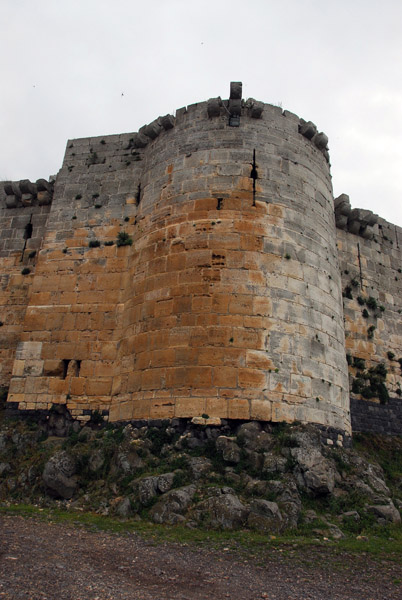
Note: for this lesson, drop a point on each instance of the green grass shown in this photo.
(380, 546)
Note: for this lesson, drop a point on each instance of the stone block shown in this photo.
(236, 90)
(214, 107)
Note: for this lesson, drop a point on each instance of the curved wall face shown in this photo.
(233, 307)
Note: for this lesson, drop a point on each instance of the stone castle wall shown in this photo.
(372, 294)
(23, 220)
(223, 296)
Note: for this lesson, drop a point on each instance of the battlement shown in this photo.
(194, 268)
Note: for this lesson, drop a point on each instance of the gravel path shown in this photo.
(45, 561)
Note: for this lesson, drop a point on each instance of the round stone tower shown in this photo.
(233, 305)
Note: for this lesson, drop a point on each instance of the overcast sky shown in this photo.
(81, 68)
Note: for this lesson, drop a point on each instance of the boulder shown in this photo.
(199, 466)
(147, 489)
(228, 448)
(314, 472)
(129, 462)
(165, 482)
(386, 512)
(58, 475)
(223, 511)
(264, 516)
(96, 460)
(170, 508)
(273, 464)
(124, 508)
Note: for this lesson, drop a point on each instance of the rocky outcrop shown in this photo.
(253, 475)
(58, 476)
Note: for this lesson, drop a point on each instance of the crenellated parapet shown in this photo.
(25, 193)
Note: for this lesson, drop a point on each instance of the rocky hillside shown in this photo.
(267, 477)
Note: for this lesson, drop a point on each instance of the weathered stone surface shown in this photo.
(386, 512)
(214, 107)
(153, 129)
(200, 466)
(308, 129)
(147, 489)
(129, 462)
(167, 122)
(58, 475)
(170, 508)
(228, 448)
(274, 464)
(165, 482)
(223, 511)
(236, 88)
(124, 508)
(320, 140)
(315, 472)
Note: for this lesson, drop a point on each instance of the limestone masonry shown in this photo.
(194, 269)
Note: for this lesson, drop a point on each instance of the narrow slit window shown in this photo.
(66, 362)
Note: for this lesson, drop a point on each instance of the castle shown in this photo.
(199, 268)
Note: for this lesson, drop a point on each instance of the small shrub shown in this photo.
(25, 271)
(371, 303)
(357, 386)
(98, 205)
(96, 417)
(126, 219)
(123, 239)
(383, 394)
(78, 197)
(94, 243)
(365, 313)
(359, 363)
(354, 283)
(287, 256)
(349, 359)
(94, 196)
(348, 292)
(360, 300)
(390, 355)
(32, 254)
(109, 243)
(370, 332)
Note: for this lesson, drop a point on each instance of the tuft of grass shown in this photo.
(123, 239)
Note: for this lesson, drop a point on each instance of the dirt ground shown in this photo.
(43, 561)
